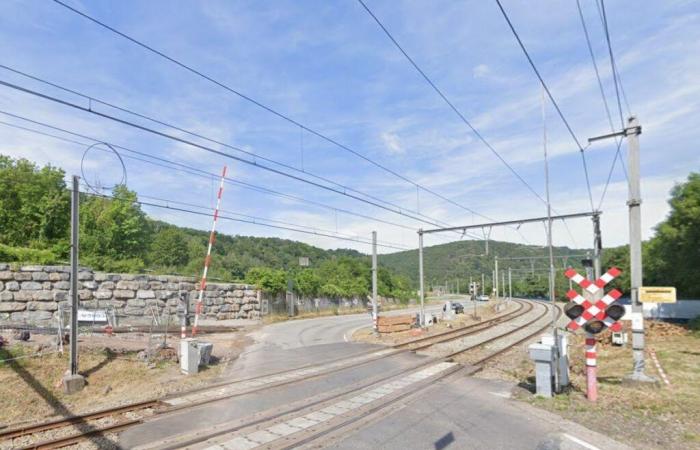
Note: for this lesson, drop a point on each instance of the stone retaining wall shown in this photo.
(32, 295)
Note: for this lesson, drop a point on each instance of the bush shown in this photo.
(27, 255)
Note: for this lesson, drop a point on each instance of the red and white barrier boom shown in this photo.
(207, 260)
(593, 314)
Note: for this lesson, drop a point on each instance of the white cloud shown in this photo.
(481, 71)
(392, 143)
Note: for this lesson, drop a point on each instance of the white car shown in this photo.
(483, 298)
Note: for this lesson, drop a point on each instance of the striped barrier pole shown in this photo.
(591, 368)
(207, 260)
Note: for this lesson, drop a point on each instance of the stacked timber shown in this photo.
(393, 324)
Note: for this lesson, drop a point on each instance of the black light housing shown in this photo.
(615, 311)
(594, 326)
(573, 310)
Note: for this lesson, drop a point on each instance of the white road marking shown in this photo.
(580, 442)
(501, 394)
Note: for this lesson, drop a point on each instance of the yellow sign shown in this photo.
(649, 294)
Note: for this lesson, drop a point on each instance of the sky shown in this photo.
(328, 66)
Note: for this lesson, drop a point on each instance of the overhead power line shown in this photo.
(551, 98)
(450, 104)
(612, 62)
(173, 165)
(251, 221)
(211, 150)
(262, 106)
(93, 100)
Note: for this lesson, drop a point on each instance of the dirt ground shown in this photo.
(117, 371)
(484, 311)
(645, 417)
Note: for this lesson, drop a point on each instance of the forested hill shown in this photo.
(462, 259)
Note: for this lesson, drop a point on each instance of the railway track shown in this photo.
(123, 417)
(311, 420)
(39, 436)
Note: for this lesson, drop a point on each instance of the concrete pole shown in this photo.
(374, 281)
(420, 274)
(73, 381)
(74, 247)
(483, 283)
(634, 202)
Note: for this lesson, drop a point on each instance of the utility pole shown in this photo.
(420, 271)
(632, 132)
(503, 283)
(495, 276)
(73, 381)
(510, 285)
(483, 283)
(551, 250)
(634, 202)
(374, 281)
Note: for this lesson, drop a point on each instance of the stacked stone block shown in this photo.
(32, 295)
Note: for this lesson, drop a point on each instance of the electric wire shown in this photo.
(93, 100)
(211, 150)
(450, 104)
(260, 221)
(618, 141)
(613, 66)
(551, 98)
(261, 105)
(248, 221)
(188, 169)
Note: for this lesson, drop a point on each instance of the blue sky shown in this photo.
(329, 66)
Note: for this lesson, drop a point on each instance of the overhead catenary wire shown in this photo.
(174, 165)
(190, 170)
(248, 221)
(211, 150)
(551, 98)
(450, 104)
(618, 141)
(261, 105)
(93, 101)
(612, 62)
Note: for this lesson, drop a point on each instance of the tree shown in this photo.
(169, 248)
(113, 229)
(34, 204)
(269, 280)
(673, 256)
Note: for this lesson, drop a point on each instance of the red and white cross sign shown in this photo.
(594, 310)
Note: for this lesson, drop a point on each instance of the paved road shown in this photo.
(458, 412)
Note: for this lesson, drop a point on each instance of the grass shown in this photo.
(644, 416)
(31, 388)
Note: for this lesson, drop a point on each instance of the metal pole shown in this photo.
(420, 271)
(503, 283)
(495, 275)
(374, 280)
(483, 283)
(74, 246)
(635, 225)
(597, 247)
(510, 285)
(551, 250)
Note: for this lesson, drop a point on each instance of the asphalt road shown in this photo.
(458, 412)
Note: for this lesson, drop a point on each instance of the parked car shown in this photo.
(458, 308)
(483, 298)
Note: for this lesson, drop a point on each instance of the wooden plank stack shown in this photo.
(393, 324)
